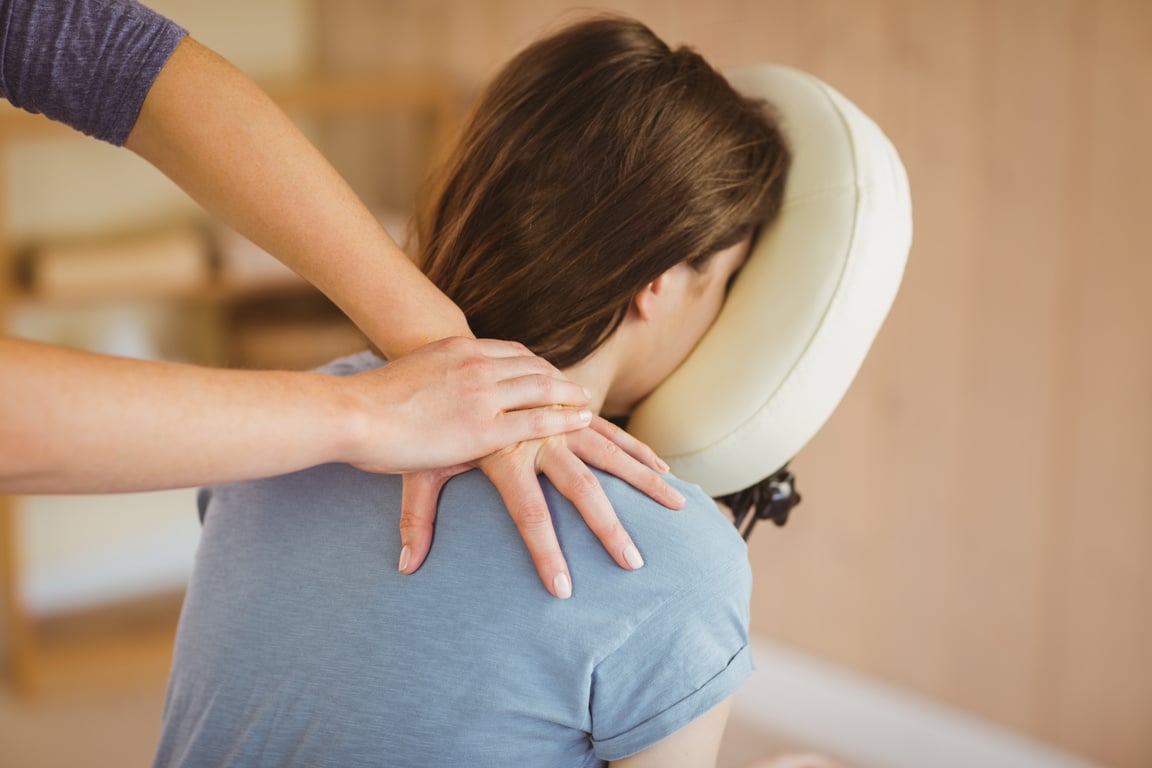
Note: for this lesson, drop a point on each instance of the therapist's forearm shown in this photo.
(75, 422)
(210, 129)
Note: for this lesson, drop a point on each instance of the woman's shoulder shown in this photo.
(695, 549)
(699, 530)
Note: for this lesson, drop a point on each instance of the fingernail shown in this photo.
(662, 465)
(562, 586)
(632, 557)
(586, 416)
(405, 554)
(676, 495)
(587, 393)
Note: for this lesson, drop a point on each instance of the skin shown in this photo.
(76, 422)
(696, 745)
(72, 422)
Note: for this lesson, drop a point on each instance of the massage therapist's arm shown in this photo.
(696, 745)
(76, 422)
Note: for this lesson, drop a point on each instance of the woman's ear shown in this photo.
(644, 303)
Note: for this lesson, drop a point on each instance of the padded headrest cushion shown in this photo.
(803, 313)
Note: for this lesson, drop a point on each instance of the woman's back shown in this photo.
(301, 645)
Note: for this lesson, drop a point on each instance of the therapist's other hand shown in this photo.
(564, 460)
(456, 400)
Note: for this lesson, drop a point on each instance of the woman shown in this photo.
(74, 422)
(604, 193)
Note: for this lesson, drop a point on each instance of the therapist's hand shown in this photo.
(456, 400)
(564, 460)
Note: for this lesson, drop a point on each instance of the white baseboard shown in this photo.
(871, 724)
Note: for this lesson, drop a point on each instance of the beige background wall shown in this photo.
(977, 523)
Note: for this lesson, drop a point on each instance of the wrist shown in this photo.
(419, 313)
(444, 322)
(346, 421)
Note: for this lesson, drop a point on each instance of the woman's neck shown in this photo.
(603, 376)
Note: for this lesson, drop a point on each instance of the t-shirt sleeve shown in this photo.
(86, 63)
(690, 654)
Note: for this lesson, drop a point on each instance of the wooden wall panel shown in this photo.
(1101, 620)
(977, 524)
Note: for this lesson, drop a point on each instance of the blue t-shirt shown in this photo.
(86, 63)
(301, 645)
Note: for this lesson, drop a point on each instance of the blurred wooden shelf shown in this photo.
(212, 291)
(103, 646)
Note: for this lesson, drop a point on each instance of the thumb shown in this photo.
(421, 491)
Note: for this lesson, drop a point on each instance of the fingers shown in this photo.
(527, 381)
(633, 447)
(490, 361)
(513, 472)
(604, 453)
(577, 483)
(532, 403)
(532, 399)
(530, 424)
(449, 402)
(539, 389)
(531, 408)
(421, 491)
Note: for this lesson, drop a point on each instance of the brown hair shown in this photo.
(597, 159)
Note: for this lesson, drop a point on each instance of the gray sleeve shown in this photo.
(86, 63)
(689, 655)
